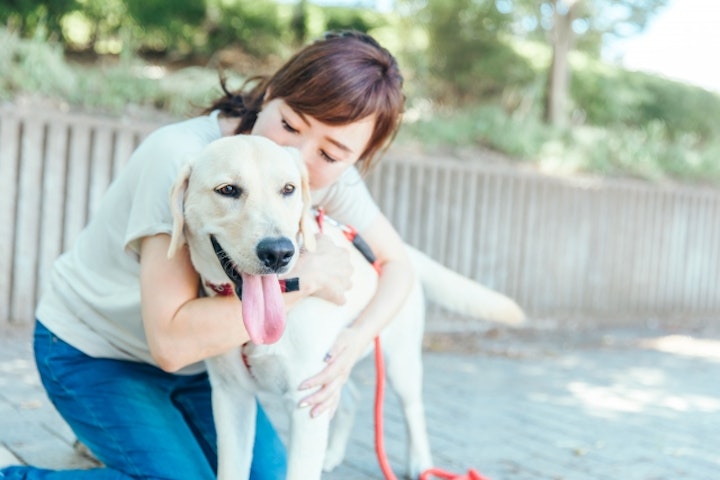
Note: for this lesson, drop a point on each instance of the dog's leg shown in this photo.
(307, 444)
(234, 411)
(402, 347)
(341, 426)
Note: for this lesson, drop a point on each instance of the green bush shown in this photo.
(651, 152)
(520, 136)
(682, 108)
(163, 25)
(32, 17)
(633, 124)
(468, 56)
(255, 26)
(613, 97)
(648, 152)
(34, 66)
(346, 18)
(38, 68)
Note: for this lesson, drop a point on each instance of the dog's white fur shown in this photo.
(262, 168)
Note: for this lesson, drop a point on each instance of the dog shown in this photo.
(242, 207)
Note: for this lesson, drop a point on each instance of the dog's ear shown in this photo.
(177, 199)
(306, 219)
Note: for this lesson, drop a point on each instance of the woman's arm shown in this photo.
(182, 328)
(394, 285)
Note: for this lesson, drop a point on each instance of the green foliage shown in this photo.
(460, 52)
(113, 88)
(681, 108)
(33, 65)
(164, 25)
(345, 18)
(97, 25)
(519, 136)
(33, 17)
(468, 56)
(650, 152)
(254, 25)
(610, 96)
(38, 68)
(593, 19)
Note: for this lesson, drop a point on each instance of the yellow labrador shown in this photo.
(241, 206)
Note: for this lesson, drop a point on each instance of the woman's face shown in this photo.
(326, 150)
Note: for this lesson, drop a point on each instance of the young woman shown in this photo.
(121, 331)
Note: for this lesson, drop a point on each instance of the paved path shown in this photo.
(556, 405)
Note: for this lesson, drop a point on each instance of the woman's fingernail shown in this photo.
(304, 404)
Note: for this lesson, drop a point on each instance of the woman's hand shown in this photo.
(341, 359)
(325, 272)
(395, 281)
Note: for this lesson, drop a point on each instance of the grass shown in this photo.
(34, 67)
(38, 69)
(649, 153)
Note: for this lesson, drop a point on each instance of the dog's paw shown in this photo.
(333, 458)
(416, 466)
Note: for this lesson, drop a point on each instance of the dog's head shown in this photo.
(241, 206)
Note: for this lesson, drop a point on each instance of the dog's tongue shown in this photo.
(262, 308)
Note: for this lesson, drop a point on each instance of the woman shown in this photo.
(121, 331)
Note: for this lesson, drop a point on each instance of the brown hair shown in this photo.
(344, 77)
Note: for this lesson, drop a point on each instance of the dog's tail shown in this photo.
(462, 295)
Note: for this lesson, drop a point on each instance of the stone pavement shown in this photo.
(555, 404)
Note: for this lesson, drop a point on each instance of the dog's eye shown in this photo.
(232, 191)
(288, 189)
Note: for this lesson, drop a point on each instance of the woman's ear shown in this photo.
(177, 200)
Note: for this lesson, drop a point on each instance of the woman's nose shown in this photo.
(305, 149)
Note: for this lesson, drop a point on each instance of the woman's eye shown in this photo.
(288, 127)
(232, 191)
(327, 157)
(288, 189)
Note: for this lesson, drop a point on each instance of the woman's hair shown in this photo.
(339, 79)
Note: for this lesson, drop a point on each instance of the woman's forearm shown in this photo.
(394, 285)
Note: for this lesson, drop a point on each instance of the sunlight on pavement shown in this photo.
(18, 370)
(685, 345)
(621, 398)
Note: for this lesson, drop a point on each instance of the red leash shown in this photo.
(380, 442)
(352, 235)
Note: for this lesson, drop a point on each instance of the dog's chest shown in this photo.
(269, 371)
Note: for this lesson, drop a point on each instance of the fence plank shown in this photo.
(53, 193)
(78, 179)
(101, 160)
(27, 222)
(124, 141)
(10, 138)
(562, 247)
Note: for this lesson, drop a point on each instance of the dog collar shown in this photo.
(226, 289)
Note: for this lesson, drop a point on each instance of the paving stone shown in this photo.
(515, 406)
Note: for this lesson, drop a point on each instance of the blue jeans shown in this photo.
(138, 420)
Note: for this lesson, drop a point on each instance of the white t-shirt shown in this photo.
(92, 300)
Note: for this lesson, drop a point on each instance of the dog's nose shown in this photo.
(275, 253)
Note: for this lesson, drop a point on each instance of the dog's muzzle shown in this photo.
(275, 254)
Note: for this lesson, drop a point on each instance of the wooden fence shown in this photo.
(562, 247)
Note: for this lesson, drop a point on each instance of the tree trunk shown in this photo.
(558, 81)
